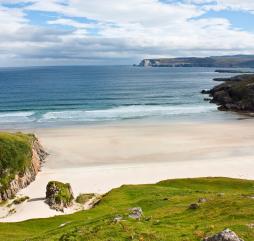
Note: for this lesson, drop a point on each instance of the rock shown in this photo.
(204, 92)
(202, 200)
(59, 195)
(136, 213)
(237, 71)
(226, 235)
(250, 225)
(235, 94)
(194, 206)
(117, 219)
(221, 194)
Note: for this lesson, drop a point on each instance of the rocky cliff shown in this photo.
(234, 94)
(23, 179)
(235, 61)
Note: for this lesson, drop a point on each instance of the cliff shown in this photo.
(21, 157)
(235, 61)
(234, 94)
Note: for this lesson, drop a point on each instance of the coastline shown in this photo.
(107, 156)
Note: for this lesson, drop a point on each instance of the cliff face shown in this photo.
(29, 175)
(235, 94)
(236, 61)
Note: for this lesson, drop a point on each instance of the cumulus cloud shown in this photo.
(115, 31)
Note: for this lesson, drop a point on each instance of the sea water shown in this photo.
(71, 95)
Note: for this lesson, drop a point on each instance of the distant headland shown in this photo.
(234, 61)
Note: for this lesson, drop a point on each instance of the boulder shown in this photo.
(226, 235)
(136, 213)
(205, 92)
(202, 200)
(194, 206)
(59, 195)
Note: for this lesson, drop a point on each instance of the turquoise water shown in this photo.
(49, 96)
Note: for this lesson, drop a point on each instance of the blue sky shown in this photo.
(59, 32)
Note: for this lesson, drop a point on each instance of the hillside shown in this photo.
(20, 159)
(235, 61)
(223, 203)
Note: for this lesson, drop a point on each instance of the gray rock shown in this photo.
(136, 213)
(226, 235)
(202, 200)
(194, 206)
(118, 218)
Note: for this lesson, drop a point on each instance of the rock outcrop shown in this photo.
(233, 71)
(21, 181)
(226, 235)
(59, 195)
(136, 213)
(235, 94)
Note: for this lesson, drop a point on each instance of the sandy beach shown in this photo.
(99, 158)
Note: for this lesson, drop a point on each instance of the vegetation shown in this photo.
(20, 200)
(59, 193)
(84, 197)
(15, 156)
(167, 216)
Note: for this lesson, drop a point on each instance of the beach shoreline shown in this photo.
(95, 159)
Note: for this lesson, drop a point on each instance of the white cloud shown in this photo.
(117, 29)
(242, 5)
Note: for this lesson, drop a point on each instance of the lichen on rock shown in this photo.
(59, 195)
(226, 235)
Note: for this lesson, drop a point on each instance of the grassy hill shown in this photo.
(15, 156)
(166, 211)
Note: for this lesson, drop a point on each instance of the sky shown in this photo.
(102, 32)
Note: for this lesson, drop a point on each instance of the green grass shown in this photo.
(166, 214)
(20, 200)
(15, 156)
(84, 197)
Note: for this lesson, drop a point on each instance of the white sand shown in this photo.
(97, 159)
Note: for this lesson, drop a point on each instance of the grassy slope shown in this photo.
(166, 203)
(15, 155)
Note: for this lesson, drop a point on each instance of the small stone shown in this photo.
(226, 235)
(194, 206)
(136, 213)
(202, 200)
(250, 225)
(221, 194)
(118, 218)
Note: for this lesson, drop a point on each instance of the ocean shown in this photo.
(59, 96)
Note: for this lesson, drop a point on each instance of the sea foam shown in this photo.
(123, 112)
